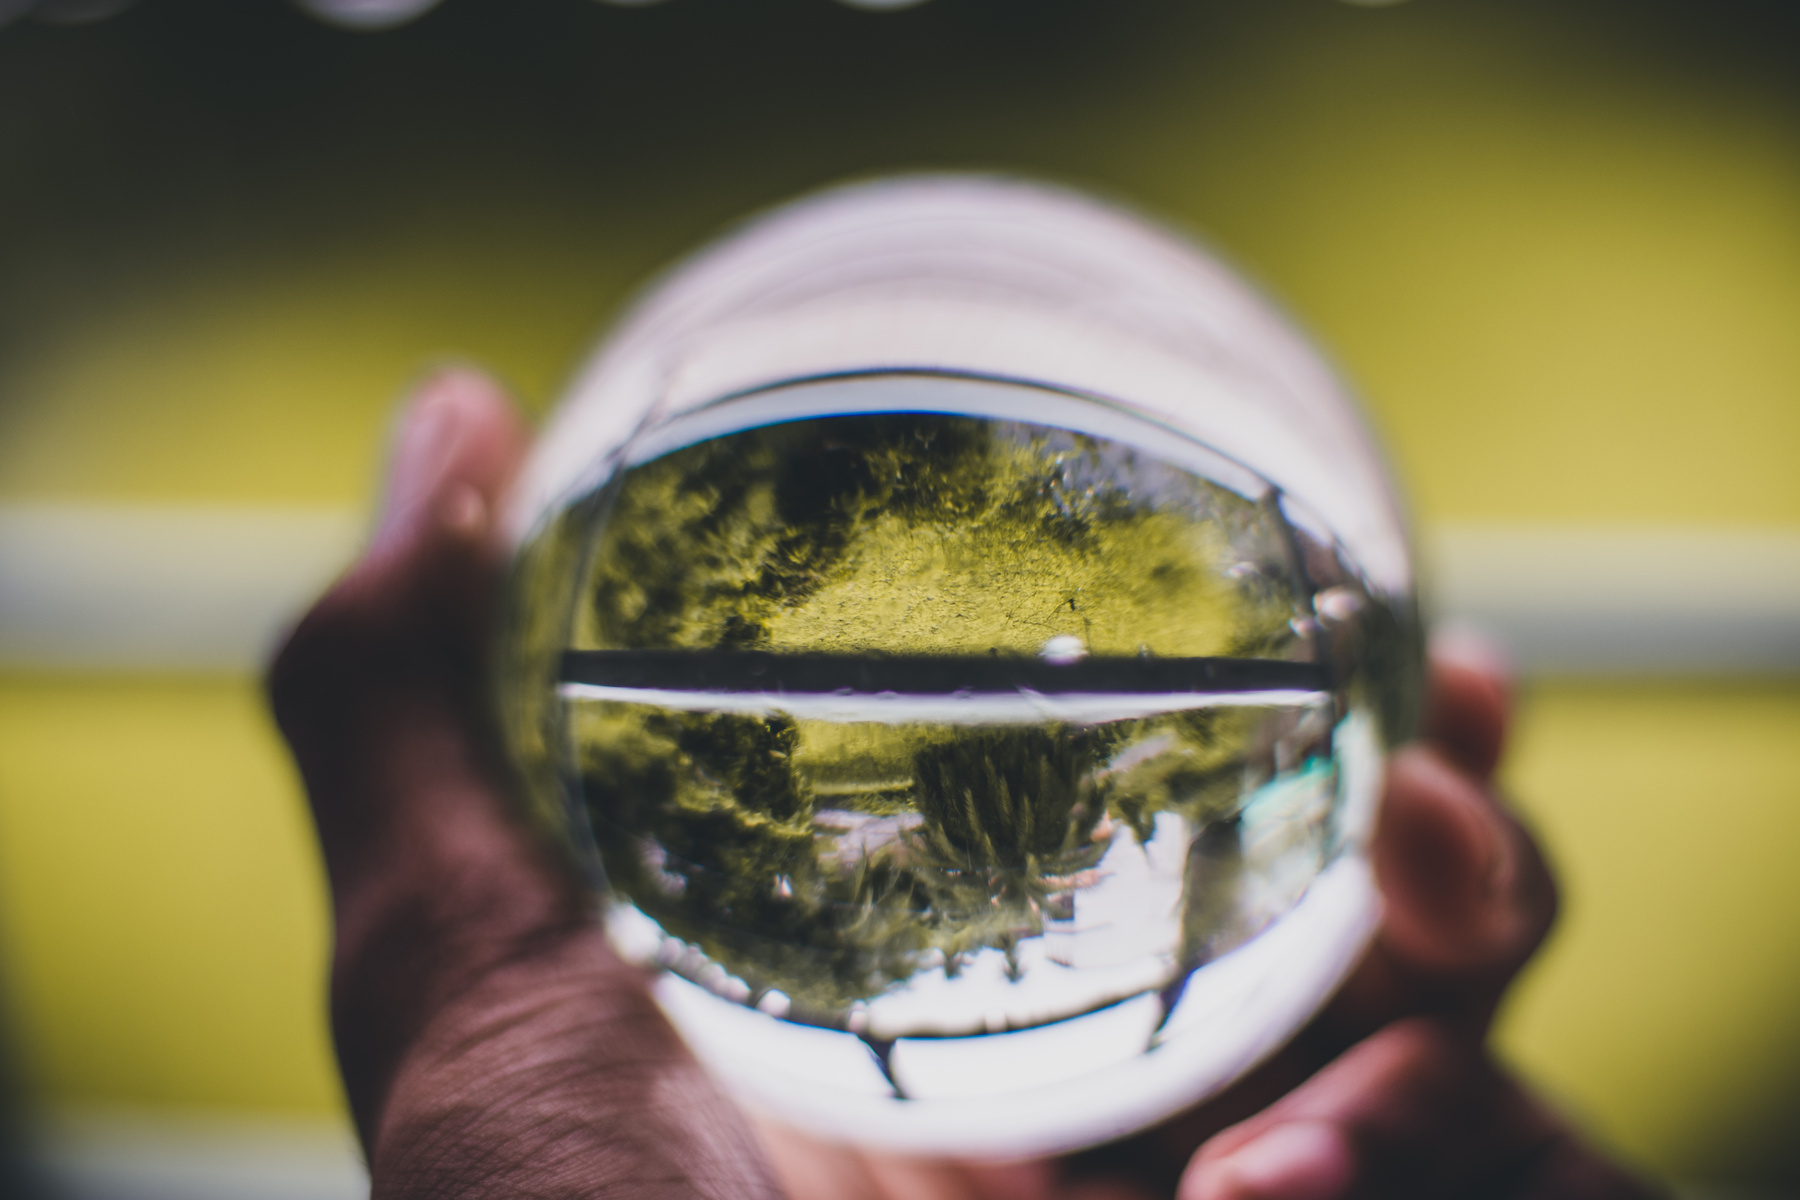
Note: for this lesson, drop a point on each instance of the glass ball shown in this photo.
(957, 627)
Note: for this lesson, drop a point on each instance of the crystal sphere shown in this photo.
(957, 627)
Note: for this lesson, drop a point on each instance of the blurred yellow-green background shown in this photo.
(1555, 243)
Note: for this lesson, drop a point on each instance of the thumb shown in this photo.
(406, 629)
(381, 692)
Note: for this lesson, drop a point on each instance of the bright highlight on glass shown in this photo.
(957, 627)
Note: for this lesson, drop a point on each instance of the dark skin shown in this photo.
(493, 1045)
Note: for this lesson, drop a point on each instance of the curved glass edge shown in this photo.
(536, 611)
(950, 393)
(1234, 1013)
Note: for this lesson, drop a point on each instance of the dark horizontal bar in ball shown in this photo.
(931, 675)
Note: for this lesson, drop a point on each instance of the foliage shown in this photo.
(903, 533)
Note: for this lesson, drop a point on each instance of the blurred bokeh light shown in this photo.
(367, 14)
(1555, 242)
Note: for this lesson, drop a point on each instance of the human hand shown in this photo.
(492, 1044)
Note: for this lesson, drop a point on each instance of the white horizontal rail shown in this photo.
(154, 1154)
(175, 588)
(90, 587)
(1598, 600)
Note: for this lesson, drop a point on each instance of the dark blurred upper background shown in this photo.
(1555, 243)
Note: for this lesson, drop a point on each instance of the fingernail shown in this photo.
(427, 434)
(1472, 647)
(464, 512)
(1301, 1160)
